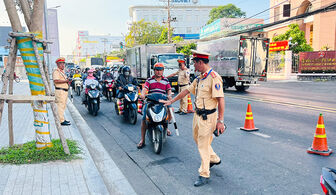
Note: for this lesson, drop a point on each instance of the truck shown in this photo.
(141, 60)
(241, 61)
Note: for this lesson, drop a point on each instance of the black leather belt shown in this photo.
(205, 111)
(61, 89)
(183, 85)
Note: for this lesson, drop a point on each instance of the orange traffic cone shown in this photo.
(320, 145)
(249, 123)
(190, 108)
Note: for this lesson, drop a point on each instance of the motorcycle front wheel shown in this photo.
(132, 116)
(158, 141)
(78, 90)
(95, 109)
(109, 96)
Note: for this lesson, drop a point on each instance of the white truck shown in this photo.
(241, 61)
(142, 58)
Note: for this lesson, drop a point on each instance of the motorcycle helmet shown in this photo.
(126, 71)
(158, 66)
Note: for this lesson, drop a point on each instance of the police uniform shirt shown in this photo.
(183, 77)
(59, 75)
(206, 88)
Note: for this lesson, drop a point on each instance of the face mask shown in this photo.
(127, 73)
(107, 71)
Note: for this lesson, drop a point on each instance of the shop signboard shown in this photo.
(317, 62)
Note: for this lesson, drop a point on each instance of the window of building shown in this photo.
(276, 14)
(188, 30)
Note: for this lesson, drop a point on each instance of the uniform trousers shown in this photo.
(61, 100)
(184, 100)
(203, 135)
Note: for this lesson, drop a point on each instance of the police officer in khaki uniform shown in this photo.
(183, 83)
(209, 95)
(61, 83)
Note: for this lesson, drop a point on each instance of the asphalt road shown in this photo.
(272, 160)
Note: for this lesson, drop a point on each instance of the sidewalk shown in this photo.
(95, 173)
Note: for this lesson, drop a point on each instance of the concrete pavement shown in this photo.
(95, 173)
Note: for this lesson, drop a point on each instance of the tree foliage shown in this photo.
(299, 43)
(147, 33)
(225, 11)
(186, 50)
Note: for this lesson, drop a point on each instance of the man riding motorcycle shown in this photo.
(155, 84)
(76, 75)
(124, 79)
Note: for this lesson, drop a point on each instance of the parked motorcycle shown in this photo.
(108, 89)
(328, 181)
(93, 99)
(127, 106)
(78, 85)
(157, 120)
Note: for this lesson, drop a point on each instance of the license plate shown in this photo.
(174, 83)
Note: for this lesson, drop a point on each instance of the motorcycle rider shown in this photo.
(90, 79)
(115, 73)
(106, 76)
(155, 84)
(76, 75)
(124, 79)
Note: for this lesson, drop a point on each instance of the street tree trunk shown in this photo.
(34, 22)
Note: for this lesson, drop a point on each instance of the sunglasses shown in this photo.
(158, 69)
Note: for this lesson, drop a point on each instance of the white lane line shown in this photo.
(261, 135)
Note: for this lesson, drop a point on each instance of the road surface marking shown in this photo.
(310, 107)
(261, 134)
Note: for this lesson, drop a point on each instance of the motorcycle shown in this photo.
(93, 99)
(108, 92)
(328, 180)
(78, 85)
(157, 120)
(128, 105)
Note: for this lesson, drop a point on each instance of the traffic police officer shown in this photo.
(208, 91)
(61, 83)
(183, 83)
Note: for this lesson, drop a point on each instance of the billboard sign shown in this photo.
(279, 46)
(210, 29)
(181, 1)
(317, 62)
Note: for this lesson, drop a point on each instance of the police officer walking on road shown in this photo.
(183, 83)
(61, 83)
(208, 91)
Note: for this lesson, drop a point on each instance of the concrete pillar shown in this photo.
(288, 64)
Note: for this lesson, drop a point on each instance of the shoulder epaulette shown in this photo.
(213, 74)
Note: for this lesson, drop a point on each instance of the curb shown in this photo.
(114, 179)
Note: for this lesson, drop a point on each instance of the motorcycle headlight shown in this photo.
(157, 117)
(131, 88)
(127, 98)
(92, 86)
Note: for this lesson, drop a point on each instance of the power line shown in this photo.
(258, 13)
(328, 8)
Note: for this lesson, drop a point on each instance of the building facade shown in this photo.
(320, 29)
(91, 45)
(188, 19)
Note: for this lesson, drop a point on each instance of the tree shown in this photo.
(186, 50)
(143, 33)
(148, 33)
(298, 41)
(163, 38)
(225, 11)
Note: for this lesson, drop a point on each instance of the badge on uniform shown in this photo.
(217, 86)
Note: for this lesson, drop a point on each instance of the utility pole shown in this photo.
(168, 7)
(169, 19)
(104, 55)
